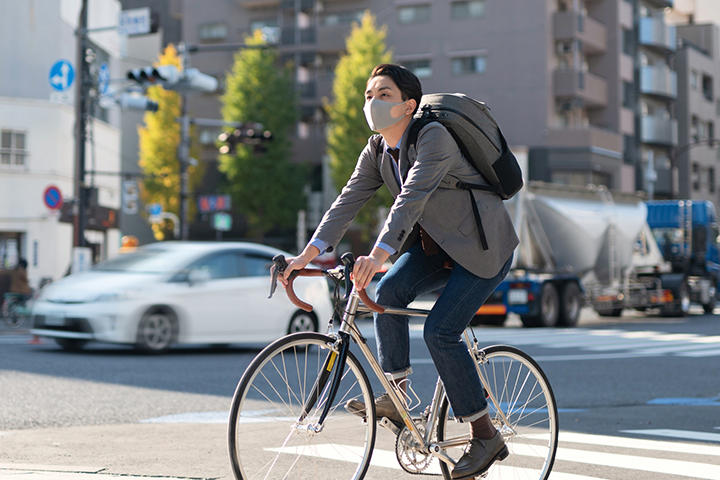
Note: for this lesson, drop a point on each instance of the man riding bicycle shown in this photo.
(432, 226)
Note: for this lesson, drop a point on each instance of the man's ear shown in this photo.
(412, 103)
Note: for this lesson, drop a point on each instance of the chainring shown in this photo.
(410, 455)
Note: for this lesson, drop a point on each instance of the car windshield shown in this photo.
(155, 260)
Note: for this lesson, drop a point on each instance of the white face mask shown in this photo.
(378, 114)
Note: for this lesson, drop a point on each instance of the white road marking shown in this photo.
(636, 443)
(686, 434)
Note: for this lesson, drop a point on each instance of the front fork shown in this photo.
(336, 360)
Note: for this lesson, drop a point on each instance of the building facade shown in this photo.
(37, 133)
(698, 67)
(585, 85)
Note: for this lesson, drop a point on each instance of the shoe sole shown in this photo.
(500, 456)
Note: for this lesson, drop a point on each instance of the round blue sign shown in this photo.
(52, 197)
(61, 75)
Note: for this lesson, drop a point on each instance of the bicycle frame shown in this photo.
(348, 329)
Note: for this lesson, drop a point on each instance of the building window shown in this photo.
(342, 18)
(212, 31)
(711, 179)
(469, 9)
(711, 132)
(694, 79)
(269, 29)
(13, 151)
(465, 65)
(695, 128)
(414, 14)
(707, 87)
(421, 68)
(628, 41)
(628, 95)
(695, 177)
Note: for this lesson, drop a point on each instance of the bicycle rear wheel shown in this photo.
(527, 401)
(269, 436)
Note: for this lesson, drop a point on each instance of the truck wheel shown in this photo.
(570, 305)
(678, 308)
(709, 307)
(549, 309)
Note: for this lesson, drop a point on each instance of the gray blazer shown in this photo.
(428, 197)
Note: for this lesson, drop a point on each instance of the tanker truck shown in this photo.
(580, 245)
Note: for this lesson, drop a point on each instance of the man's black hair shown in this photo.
(407, 81)
(22, 263)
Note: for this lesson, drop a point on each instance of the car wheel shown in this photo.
(157, 331)
(302, 321)
(71, 344)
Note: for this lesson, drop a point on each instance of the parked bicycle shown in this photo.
(288, 419)
(16, 309)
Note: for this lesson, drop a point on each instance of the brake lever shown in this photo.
(348, 260)
(280, 265)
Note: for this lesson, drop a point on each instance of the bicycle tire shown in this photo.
(13, 319)
(264, 437)
(527, 400)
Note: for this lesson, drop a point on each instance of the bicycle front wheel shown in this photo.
(525, 414)
(271, 437)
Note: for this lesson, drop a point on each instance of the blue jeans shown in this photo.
(415, 274)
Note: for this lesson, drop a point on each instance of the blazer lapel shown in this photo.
(387, 171)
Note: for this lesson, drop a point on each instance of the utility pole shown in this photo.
(184, 153)
(81, 127)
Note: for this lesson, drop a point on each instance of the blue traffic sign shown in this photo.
(61, 75)
(154, 209)
(52, 197)
(103, 78)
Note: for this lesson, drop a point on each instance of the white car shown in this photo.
(171, 293)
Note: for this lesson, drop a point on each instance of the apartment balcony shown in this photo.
(585, 137)
(331, 38)
(572, 25)
(661, 3)
(572, 83)
(258, 3)
(658, 80)
(659, 131)
(655, 33)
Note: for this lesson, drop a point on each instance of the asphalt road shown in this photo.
(638, 397)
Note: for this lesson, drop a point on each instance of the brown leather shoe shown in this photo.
(383, 408)
(478, 457)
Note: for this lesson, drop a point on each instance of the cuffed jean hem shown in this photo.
(473, 417)
(405, 372)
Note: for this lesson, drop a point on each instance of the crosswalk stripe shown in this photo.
(603, 341)
(642, 444)
(686, 434)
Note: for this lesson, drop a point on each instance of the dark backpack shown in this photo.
(478, 137)
(480, 141)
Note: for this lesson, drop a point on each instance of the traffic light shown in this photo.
(136, 102)
(249, 134)
(169, 77)
(165, 75)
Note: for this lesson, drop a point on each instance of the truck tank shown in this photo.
(585, 231)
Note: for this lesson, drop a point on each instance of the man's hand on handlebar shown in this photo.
(298, 263)
(367, 266)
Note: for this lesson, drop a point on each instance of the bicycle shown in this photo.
(287, 418)
(15, 309)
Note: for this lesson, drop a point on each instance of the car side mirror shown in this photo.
(196, 276)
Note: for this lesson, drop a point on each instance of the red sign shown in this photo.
(52, 197)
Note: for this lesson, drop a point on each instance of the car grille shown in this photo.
(72, 324)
